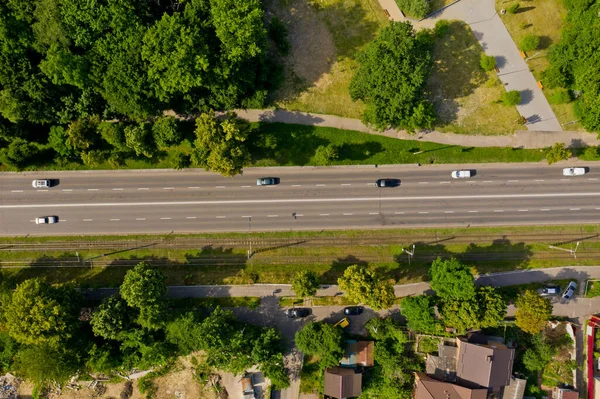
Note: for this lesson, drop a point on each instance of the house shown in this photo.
(358, 353)
(427, 387)
(443, 366)
(563, 393)
(515, 390)
(342, 382)
(484, 364)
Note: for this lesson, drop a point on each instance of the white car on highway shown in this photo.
(46, 220)
(42, 183)
(461, 174)
(574, 171)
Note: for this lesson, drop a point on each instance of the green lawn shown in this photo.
(296, 145)
(593, 289)
(466, 97)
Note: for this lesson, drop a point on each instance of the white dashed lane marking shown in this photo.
(272, 216)
(296, 185)
(168, 188)
(140, 219)
(92, 189)
(190, 217)
(117, 189)
(498, 210)
(114, 220)
(16, 191)
(67, 189)
(143, 188)
(346, 184)
(165, 218)
(323, 214)
(88, 220)
(193, 187)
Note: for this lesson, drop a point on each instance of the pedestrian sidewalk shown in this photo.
(516, 277)
(495, 40)
(520, 139)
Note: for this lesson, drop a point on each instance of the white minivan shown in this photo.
(461, 174)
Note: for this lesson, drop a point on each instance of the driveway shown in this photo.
(495, 40)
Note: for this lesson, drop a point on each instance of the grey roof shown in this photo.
(342, 383)
(488, 365)
(516, 389)
(443, 366)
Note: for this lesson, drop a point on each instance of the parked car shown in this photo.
(42, 183)
(574, 171)
(267, 181)
(46, 220)
(353, 310)
(342, 323)
(387, 183)
(461, 174)
(550, 290)
(570, 290)
(295, 313)
(247, 387)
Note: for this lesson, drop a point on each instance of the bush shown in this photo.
(558, 152)
(529, 43)
(442, 27)
(165, 131)
(279, 35)
(487, 62)
(560, 97)
(514, 8)
(325, 155)
(414, 8)
(591, 153)
(180, 161)
(511, 98)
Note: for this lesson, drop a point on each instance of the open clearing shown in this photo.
(465, 97)
(325, 36)
(222, 259)
(544, 19)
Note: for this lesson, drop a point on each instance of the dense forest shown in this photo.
(67, 67)
(575, 60)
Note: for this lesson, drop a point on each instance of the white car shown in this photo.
(574, 171)
(46, 220)
(43, 183)
(461, 174)
(570, 290)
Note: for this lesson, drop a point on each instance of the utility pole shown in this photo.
(571, 251)
(409, 253)
(250, 238)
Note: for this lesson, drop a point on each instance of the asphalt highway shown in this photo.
(121, 202)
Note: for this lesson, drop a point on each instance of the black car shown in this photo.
(297, 313)
(353, 310)
(267, 181)
(387, 183)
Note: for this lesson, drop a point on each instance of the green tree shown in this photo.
(529, 43)
(165, 131)
(57, 140)
(415, 8)
(143, 286)
(8, 350)
(492, 307)
(323, 340)
(361, 285)
(185, 332)
(305, 283)
(139, 139)
(557, 153)
(267, 345)
(533, 312)
(487, 62)
(18, 154)
(81, 134)
(511, 98)
(44, 363)
(219, 144)
(111, 318)
(39, 313)
(393, 71)
(538, 354)
(325, 155)
(451, 280)
(461, 315)
(420, 314)
(113, 134)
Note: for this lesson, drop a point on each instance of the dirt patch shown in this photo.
(181, 383)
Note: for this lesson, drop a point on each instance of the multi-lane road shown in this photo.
(320, 198)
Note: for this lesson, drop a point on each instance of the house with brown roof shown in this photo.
(480, 364)
(358, 353)
(427, 387)
(342, 382)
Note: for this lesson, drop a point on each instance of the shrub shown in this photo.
(180, 161)
(511, 98)
(560, 97)
(442, 27)
(414, 8)
(591, 153)
(529, 43)
(487, 62)
(558, 152)
(514, 8)
(165, 131)
(279, 35)
(325, 155)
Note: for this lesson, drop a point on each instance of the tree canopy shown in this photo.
(420, 314)
(450, 279)
(533, 312)
(362, 285)
(323, 340)
(143, 286)
(393, 71)
(305, 283)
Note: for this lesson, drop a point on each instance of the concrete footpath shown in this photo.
(520, 139)
(578, 273)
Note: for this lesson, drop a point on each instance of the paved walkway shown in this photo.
(521, 138)
(493, 36)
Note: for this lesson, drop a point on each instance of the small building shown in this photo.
(515, 390)
(358, 353)
(487, 365)
(341, 383)
(443, 366)
(427, 387)
(563, 393)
